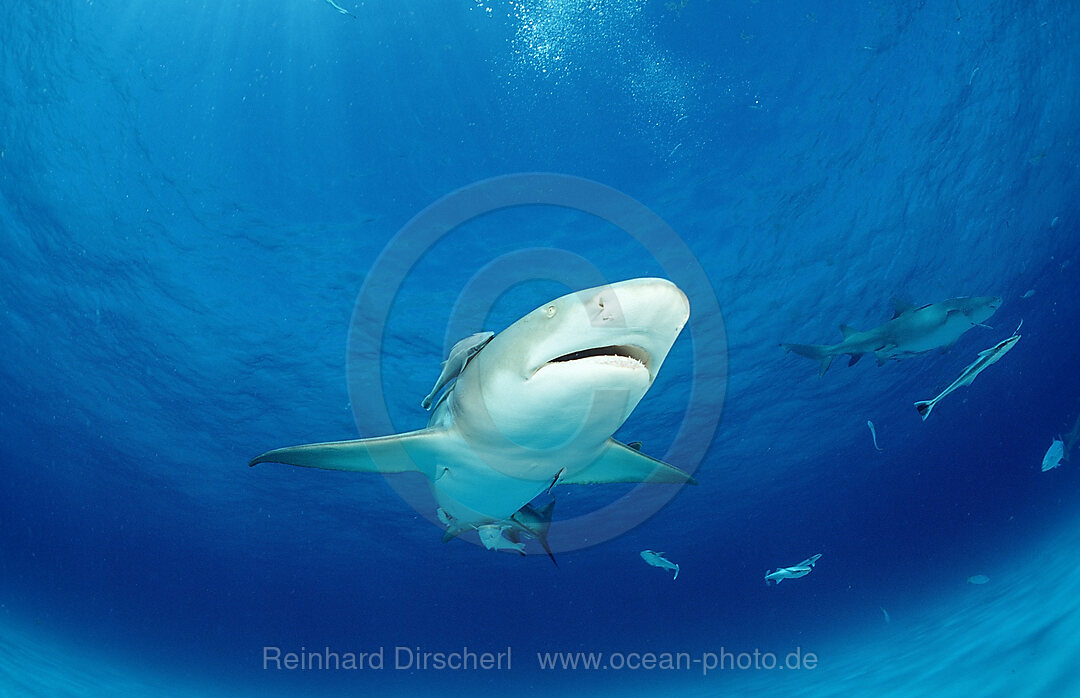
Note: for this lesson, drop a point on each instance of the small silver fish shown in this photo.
(1054, 455)
(658, 560)
(339, 8)
(873, 435)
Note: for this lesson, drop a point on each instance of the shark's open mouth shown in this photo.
(615, 354)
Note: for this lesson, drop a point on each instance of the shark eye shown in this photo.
(550, 311)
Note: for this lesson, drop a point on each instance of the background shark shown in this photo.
(533, 407)
(1071, 438)
(911, 331)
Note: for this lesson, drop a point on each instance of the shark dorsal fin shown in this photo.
(847, 331)
(900, 307)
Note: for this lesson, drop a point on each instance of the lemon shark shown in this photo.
(531, 407)
(910, 332)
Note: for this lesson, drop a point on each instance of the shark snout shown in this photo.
(983, 307)
(638, 319)
(640, 303)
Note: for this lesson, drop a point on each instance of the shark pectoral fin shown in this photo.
(620, 463)
(414, 451)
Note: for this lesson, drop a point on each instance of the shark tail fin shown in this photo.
(817, 352)
(544, 514)
(536, 523)
(924, 407)
(676, 571)
(547, 549)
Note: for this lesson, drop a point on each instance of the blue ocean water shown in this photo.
(196, 200)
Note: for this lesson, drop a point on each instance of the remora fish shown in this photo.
(658, 560)
(534, 407)
(911, 331)
(340, 9)
(794, 572)
(1054, 455)
(455, 362)
(873, 435)
(527, 521)
(987, 358)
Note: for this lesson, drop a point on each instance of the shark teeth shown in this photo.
(621, 355)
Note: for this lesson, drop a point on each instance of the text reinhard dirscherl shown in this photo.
(400, 659)
(403, 658)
